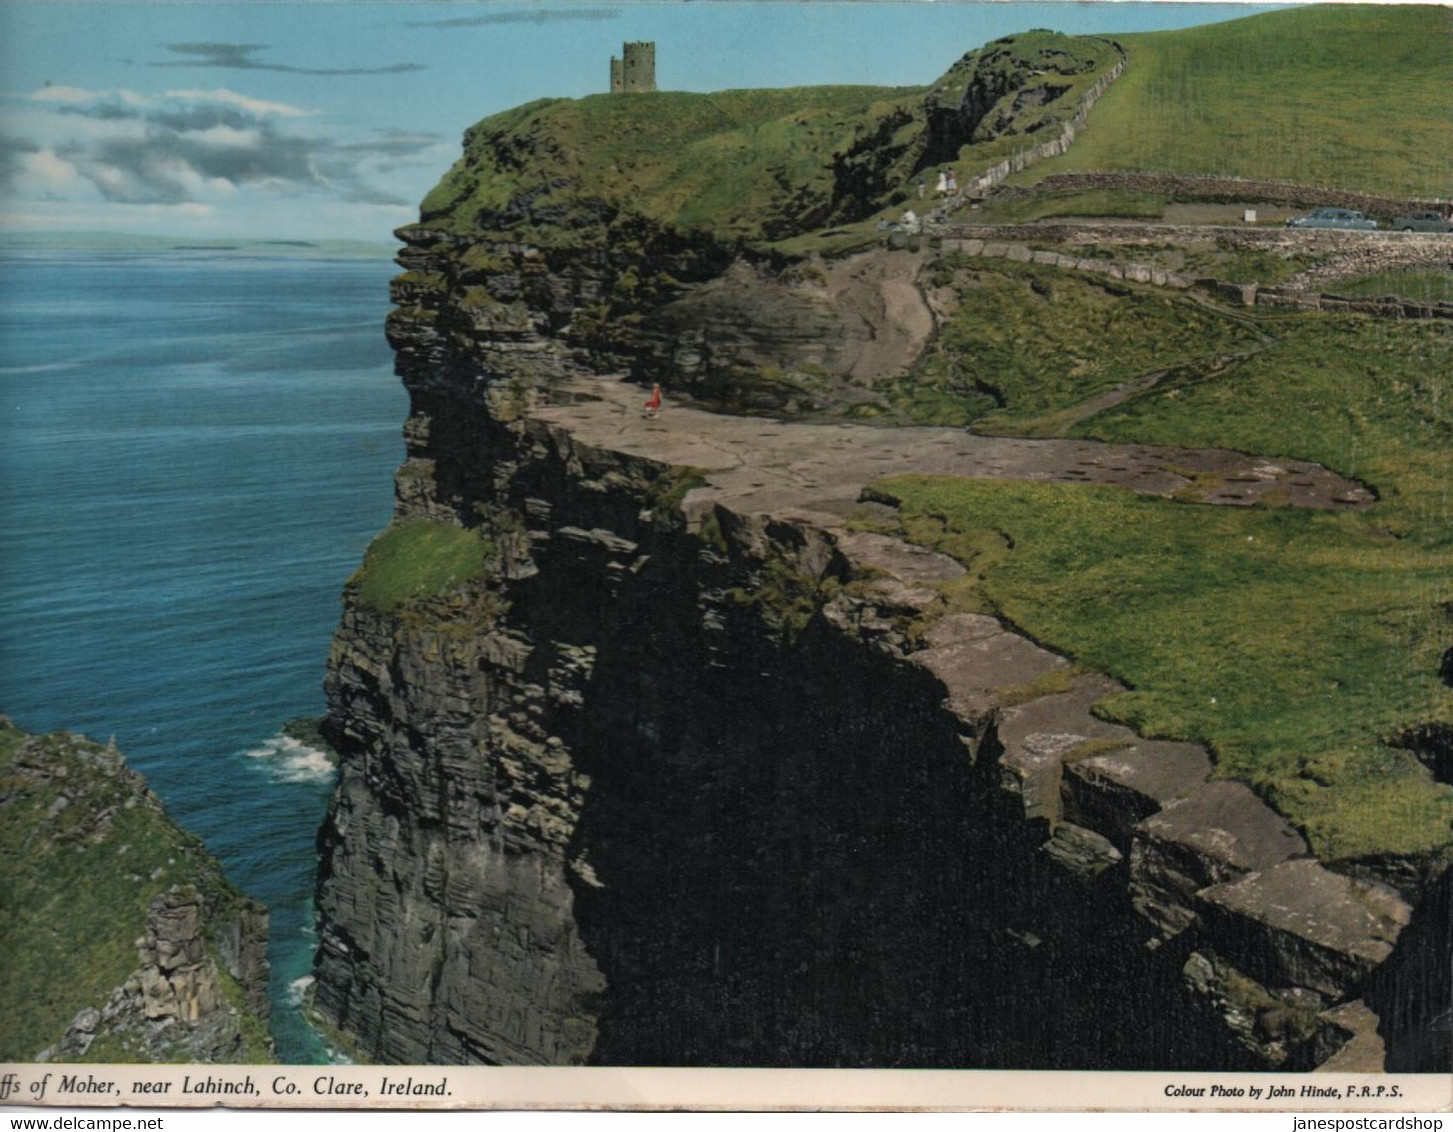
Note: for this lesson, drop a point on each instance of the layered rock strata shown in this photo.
(694, 774)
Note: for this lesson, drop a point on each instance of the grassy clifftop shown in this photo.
(1352, 97)
(731, 159)
(755, 164)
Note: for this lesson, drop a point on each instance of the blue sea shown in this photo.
(196, 448)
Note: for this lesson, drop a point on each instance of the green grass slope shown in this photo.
(417, 561)
(1352, 97)
(751, 164)
(1026, 345)
(683, 159)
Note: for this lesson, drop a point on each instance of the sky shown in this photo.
(313, 120)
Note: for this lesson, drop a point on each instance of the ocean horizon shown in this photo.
(197, 448)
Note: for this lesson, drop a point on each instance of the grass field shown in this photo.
(1028, 343)
(1351, 97)
(1295, 643)
(1117, 203)
(1434, 285)
(1292, 643)
(690, 160)
(1344, 96)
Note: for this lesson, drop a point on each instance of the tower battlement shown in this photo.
(635, 70)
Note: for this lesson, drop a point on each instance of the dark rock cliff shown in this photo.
(686, 772)
(663, 810)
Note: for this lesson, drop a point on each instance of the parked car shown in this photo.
(1332, 218)
(1422, 222)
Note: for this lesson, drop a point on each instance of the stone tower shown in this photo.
(635, 71)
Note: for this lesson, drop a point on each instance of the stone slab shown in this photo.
(1218, 833)
(1116, 790)
(1300, 924)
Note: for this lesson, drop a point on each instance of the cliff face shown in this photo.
(686, 767)
(661, 744)
(196, 994)
(92, 863)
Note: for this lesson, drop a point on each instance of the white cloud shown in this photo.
(53, 129)
(54, 174)
(70, 94)
(108, 177)
(258, 106)
(81, 96)
(228, 136)
(236, 158)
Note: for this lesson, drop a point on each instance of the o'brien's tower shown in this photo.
(635, 71)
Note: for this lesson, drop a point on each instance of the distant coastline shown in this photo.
(13, 241)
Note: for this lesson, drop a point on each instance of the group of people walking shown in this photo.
(948, 184)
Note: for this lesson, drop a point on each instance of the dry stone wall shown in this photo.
(1238, 189)
(997, 174)
(1363, 260)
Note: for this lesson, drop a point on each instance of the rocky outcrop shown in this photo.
(1006, 87)
(983, 112)
(811, 337)
(92, 860)
(177, 1005)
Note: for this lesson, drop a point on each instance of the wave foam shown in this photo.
(290, 760)
(42, 367)
(298, 990)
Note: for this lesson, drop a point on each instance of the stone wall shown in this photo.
(1238, 189)
(1000, 172)
(1054, 147)
(1364, 261)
